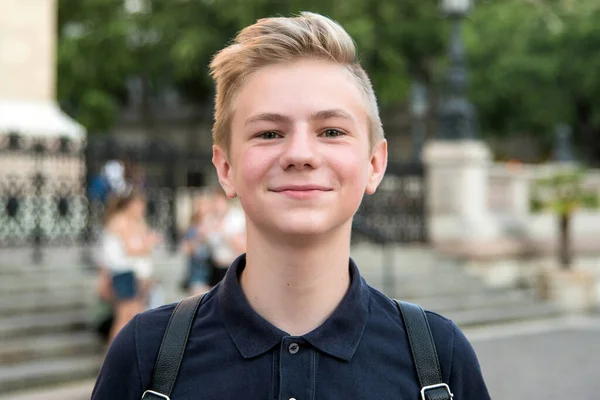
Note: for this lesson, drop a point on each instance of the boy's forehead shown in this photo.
(316, 88)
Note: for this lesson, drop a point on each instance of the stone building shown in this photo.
(31, 124)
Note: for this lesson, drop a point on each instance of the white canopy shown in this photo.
(37, 118)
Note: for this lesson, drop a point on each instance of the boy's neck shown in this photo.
(296, 287)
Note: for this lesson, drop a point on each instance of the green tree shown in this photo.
(101, 46)
(533, 65)
(563, 193)
(93, 61)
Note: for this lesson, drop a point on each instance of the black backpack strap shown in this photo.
(172, 349)
(424, 352)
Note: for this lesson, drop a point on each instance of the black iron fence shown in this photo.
(397, 211)
(44, 192)
(42, 197)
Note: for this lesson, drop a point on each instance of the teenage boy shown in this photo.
(297, 137)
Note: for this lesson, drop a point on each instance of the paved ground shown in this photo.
(552, 360)
(549, 361)
(75, 391)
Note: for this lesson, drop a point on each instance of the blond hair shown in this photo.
(277, 40)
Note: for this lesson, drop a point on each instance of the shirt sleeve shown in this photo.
(466, 379)
(119, 377)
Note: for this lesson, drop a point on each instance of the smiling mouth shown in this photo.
(306, 188)
(301, 192)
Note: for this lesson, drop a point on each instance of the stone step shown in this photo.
(465, 301)
(377, 263)
(388, 269)
(17, 258)
(31, 374)
(442, 276)
(58, 280)
(412, 251)
(36, 302)
(65, 299)
(55, 284)
(500, 315)
(10, 270)
(366, 254)
(41, 323)
(14, 258)
(77, 390)
(32, 270)
(44, 346)
(70, 282)
(368, 258)
(420, 288)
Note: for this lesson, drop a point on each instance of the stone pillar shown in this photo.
(28, 45)
(457, 178)
(28, 50)
(519, 194)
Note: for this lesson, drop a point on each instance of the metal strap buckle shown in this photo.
(152, 393)
(433, 387)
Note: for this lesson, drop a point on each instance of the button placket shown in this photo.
(296, 371)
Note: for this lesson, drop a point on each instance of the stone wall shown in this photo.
(509, 198)
(479, 209)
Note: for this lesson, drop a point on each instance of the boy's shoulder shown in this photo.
(458, 361)
(128, 365)
(444, 331)
(156, 316)
(390, 305)
(150, 326)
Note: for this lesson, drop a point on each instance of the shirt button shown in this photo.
(293, 349)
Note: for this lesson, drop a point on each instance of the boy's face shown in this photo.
(299, 158)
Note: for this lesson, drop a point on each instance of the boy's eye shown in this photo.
(269, 135)
(332, 133)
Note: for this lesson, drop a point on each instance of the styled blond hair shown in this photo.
(278, 40)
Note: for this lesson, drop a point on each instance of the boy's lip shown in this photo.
(300, 188)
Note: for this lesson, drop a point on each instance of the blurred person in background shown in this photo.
(125, 249)
(195, 246)
(225, 233)
(110, 181)
(135, 176)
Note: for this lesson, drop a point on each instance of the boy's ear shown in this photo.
(224, 171)
(377, 166)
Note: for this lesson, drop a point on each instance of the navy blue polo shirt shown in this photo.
(360, 352)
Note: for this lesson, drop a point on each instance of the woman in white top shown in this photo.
(226, 234)
(126, 246)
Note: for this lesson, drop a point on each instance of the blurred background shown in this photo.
(488, 213)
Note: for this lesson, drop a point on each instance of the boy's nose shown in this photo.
(300, 150)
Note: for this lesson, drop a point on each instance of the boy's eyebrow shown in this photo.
(333, 113)
(271, 117)
(319, 115)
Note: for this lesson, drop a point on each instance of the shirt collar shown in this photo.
(338, 336)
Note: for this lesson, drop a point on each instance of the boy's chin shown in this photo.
(305, 228)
